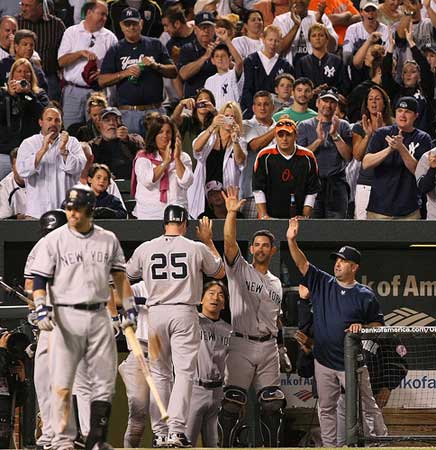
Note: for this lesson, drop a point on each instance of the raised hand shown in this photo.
(233, 204)
(292, 229)
(204, 230)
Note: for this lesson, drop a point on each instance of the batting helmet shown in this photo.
(51, 220)
(80, 196)
(175, 213)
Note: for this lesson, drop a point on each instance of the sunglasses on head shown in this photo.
(285, 123)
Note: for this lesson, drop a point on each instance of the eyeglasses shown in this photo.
(92, 42)
(286, 123)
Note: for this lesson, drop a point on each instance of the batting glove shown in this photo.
(130, 318)
(116, 325)
(285, 362)
(44, 317)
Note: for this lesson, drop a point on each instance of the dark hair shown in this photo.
(222, 22)
(266, 233)
(375, 65)
(208, 119)
(22, 34)
(174, 14)
(97, 166)
(13, 154)
(211, 283)
(154, 128)
(262, 94)
(248, 13)
(303, 80)
(282, 76)
(220, 47)
(387, 110)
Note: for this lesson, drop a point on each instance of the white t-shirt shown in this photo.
(225, 87)
(246, 46)
(356, 35)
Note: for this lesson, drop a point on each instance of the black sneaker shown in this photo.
(178, 440)
(159, 441)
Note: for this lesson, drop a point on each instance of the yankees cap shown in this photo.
(131, 14)
(407, 103)
(347, 252)
(213, 186)
(330, 93)
(204, 18)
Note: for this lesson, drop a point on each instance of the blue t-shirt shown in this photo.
(149, 88)
(394, 191)
(335, 308)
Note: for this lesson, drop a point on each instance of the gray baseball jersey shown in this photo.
(254, 298)
(79, 264)
(172, 268)
(215, 339)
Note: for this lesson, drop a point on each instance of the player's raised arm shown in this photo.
(205, 234)
(297, 255)
(233, 204)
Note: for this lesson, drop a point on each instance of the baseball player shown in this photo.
(137, 391)
(172, 267)
(207, 392)
(339, 304)
(78, 259)
(255, 298)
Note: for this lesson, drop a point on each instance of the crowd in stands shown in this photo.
(324, 109)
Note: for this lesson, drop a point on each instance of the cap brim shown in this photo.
(206, 22)
(333, 97)
(289, 130)
(335, 255)
(373, 5)
(131, 19)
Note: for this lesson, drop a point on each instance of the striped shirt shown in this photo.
(49, 33)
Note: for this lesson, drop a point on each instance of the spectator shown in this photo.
(341, 13)
(284, 170)
(8, 28)
(50, 163)
(89, 130)
(80, 53)
(115, 146)
(21, 103)
(417, 81)
(389, 12)
(220, 152)
(271, 9)
(426, 178)
(226, 85)
(195, 66)
(320, 66)
(261, 69)
(206, 6)
(12, 192)
(393, 153)
(330, 139)
(258, 133)
(283, 91)
(294, 26)
(216, 205)
(250, 41)
(162, 173)
(149, 10)
(302, 95)
(49, 30)
(340, 304)
(361, 36)
(137, 65)
(191, 125)
(24, 45)
(107, 205)
(376, 113)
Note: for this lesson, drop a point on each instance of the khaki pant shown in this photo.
(416, 215)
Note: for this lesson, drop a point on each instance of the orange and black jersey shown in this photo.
(278, 177)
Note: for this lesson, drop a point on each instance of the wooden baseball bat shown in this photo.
(139, 355)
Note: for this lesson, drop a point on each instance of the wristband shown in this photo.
(41, 300)
(128, 303)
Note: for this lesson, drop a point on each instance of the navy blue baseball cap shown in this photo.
(407, 103)
(131, 14)
(204, 18)
(347, 252)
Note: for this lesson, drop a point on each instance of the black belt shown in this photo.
(79, 86)
(209, 384)
(85, 306)
(254, 338)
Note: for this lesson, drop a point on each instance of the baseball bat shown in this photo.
(11, 290)
(139, 355)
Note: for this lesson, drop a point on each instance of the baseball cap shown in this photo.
(204, 18)
(429, 48)
(130, 14)
(407, 103)
(213, 186)
(110, 110)
(330, 93)
(287, 125)
(367, 3)
(347, 252)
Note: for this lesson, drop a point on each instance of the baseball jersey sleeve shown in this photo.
(134, 265)
(210, 264)
(44, 262)
(313, 185)
(259, 182)
(118, 263)
(29, 262)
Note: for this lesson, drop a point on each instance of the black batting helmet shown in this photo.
(51, 220)
(80, 196)
(175, 213)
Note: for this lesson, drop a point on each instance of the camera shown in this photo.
(23, 84)
(201, 104)
(228, 120)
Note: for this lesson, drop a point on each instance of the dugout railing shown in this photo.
(402, 359)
